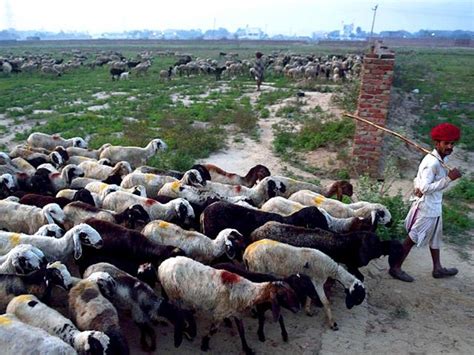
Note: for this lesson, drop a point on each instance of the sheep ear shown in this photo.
(271, 188)
(229, 249)
(373, 214)
(77, 246)
(275, 307)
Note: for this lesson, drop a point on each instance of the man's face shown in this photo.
(444, 148)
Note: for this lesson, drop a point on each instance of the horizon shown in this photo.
(279, 17)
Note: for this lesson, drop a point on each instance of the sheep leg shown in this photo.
(284, 333)
(240, 328)
(227, 322)
(355, 271)
(147, 332)
(261, 323)
(322, 296)
(307, 307)
(207, 337)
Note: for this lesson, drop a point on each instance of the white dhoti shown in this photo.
(424, 230)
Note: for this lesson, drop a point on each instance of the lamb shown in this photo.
(178, 211)
(222, 293)
(17, 337)
(338, 188)
(22, 259)
(136, 156)
(300, 283)
(281, 259)
(99, 171)
(286, 207)
(90, 310)
(125, 248)
(78, 212)
(55, 248)
(152, 182)
(146, 307)
(30, 310)
(20, 218)
(342, 210)
(196, 245)
(222, 215)
(255, 174)
(38, 283)
(263, 191)
(49, 142)
(354, 249)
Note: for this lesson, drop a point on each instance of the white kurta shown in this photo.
(424, 220)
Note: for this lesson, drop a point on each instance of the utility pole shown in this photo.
(374, 9)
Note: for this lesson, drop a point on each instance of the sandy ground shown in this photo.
(429, 316)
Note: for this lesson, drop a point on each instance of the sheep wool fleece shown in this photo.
(424, 222)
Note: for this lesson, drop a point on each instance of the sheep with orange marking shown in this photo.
(338, 209)
(196, 245)
(221, 293)
(32, 311)
(280, 259)
(17, 337)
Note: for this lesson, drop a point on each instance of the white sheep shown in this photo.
(30, 310)
(221, 293)
(152, 182)
(287, 207)
(55, 248)
(280, 259)
(136, 156)
(89, 153)
(339, 188)
(64, 179)
(95, 170)
(47, 141)
(196, 245)
(177, 209)
(21, 218)
(102, 189)
(17, 337)
(22, 259)
(125, 75)
(50, 230)
(335, 208)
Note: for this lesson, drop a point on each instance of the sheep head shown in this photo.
(27, 258)
(158, 145)
(53, 213)
(58, 274)
(92, 342)
(281, 294)
(234, 243)
(84, 234)
(79, 142)
(355, 294)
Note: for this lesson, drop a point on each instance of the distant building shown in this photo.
(253, 33)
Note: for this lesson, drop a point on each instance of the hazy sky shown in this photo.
(275, 16)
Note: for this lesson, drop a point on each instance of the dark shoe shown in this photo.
(400, 275)
(444, 272)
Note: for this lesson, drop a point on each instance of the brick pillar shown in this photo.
(373, 103)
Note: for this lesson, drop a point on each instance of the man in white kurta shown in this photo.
(424, 222)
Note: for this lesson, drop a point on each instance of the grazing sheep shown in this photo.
(17, 337)
(338, 188)
(196, 245)
(136, 156)
(125, 75)
(222, 293)
(38, 283)
(125, 248)
(30, 310)
(255, 174)
(78, 212)
(342, 210)
(146, 307)
(55, 248)
(20, 218)
(221, 215)
(354, 249)
(286, 207)
(49, 142)
(281, 259)
(90, 310)
(22, 259)
(177, 211)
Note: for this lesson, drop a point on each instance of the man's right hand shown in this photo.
(454, 174)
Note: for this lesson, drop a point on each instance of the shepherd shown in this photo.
(259, 69)
(424, 222)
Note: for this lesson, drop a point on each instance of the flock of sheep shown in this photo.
(293, 66)
(90, 236)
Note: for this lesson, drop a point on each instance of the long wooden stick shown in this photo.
(424, 150)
